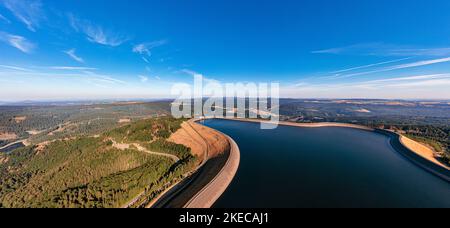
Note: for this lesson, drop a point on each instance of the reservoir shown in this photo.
(298, 167)
(12, 147)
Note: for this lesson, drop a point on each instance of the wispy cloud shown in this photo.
(143, 78)
(18, 42)
(4, 19)
(66, 72)
(420, 63)
(145, 49)
(408, 87)
(145, 60)
(191, 73)
(196, 74)
(369, 66)
(71, 53)
(15, 68)
(72, 68)
(382, 49)
(378, 82)
(412, 78)
(396, 67)
(96, 33)
(28, 12)
(103, 78)
(422, 84)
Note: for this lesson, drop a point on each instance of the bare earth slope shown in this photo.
(215, 172)
(421, 150)
(204, 142)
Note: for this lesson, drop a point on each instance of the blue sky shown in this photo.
(96, 49)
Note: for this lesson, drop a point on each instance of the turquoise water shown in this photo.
(324, 167)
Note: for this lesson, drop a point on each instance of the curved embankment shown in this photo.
(309, 125)
(219, 162)
(407, 147)
(422, 149)
(212, 191)
(208, 182)
(398, 144)
(14, 145)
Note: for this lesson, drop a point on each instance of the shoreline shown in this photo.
(306, 125)
(214, 189)
(23, 143)
(416, 156)
(211, 192)
(202, 187)
(422, 149)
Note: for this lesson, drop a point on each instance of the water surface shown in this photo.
(12, 147)
(324, 167)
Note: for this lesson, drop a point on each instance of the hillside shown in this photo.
(42, 123)
(93, 171)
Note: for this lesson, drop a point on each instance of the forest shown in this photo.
(42, 123)
(425, 121)
(87, 171)
(435, 135)
(71, 160)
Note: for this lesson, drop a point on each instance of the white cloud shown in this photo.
(423, 84)
(102, 78)
(18, 42)
(97, 34)
(72, 55)
(369, 66)
(68, 73)
(382, 49)
(301, 84)
(141, 49)
(143, 78)
(412, 78)
(434, 86)
(4, 19)
(145, 49)
(15, 68)
(28, 12)
(397, 67)
(72, 68)
(145, 60)
(198, 75)
(191, 73)
(420, 63)
(43, 83)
